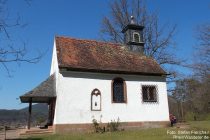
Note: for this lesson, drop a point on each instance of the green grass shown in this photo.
(149, 134)
(144, 134)
(200, 117)
(200, 125)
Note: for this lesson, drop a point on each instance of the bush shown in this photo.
(97, 127)
(190, 116)
(40, 120)
(207, 118)
(113, 125)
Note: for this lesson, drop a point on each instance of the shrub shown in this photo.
(207, 117)
(189, 116)
(40, 120)
(113, 125)
(97, 127)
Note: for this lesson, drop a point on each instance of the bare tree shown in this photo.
(194, 96)
(9, 51)
(201, 63)
(194, 92)
(158, 38)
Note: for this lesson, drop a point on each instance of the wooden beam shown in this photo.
(29, 113)
(49, 112)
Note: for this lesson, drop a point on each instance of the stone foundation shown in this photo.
(88, 127)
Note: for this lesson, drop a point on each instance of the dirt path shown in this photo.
(10, 134)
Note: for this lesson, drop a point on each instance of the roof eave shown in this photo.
(67, 68)
(28, 99)
(43, 92)
(132, 26)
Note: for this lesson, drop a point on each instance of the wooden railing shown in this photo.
(4, 130)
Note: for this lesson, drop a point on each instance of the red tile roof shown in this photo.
(91, 55)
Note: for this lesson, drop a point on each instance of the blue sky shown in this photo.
(82, 19)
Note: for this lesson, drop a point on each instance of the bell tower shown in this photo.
(133, 36)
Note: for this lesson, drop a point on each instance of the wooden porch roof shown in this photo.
(43, 93)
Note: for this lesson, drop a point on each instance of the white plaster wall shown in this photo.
(54, 62)
(73, 104)
(54, 69)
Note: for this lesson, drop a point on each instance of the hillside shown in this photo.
(19, 117)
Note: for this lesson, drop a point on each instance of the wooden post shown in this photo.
(49, 112)
(53, 109)
(182, 112)
(5, 135)
(29, 113)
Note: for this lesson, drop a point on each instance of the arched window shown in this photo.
(119, 91)
(136, 37)
(96, 100)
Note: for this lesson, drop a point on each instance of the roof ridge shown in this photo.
(121, 46)
(99, 41)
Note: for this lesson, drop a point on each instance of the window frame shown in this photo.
(136, 33)
(155, 94)
(124, 90)
(98, 94)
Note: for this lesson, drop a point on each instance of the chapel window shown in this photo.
(119, 91)
(136, 37)
(96, 100)
(149, 93)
